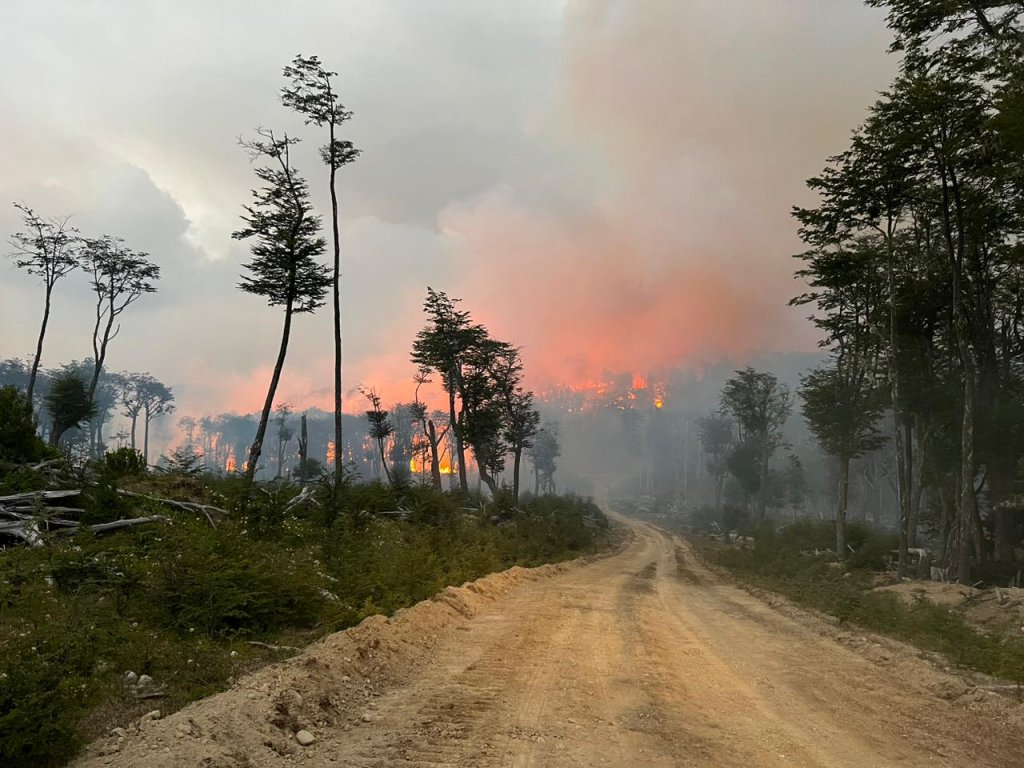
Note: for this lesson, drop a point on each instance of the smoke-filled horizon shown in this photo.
(606, 184)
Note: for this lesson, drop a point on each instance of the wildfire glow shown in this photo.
(420, 465)
(330, 452)
(232, 463)
(639, 382)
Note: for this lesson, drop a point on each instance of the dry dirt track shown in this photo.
(641, 659)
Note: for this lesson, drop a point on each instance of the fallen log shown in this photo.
(188, 506)
(41, 496)
(270, 647)
(24, 509)
(117, 524)
(28, 529)
(306, 494)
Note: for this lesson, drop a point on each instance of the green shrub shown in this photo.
(221, 582)
(18, 440)
(124, 462)
(102, 502)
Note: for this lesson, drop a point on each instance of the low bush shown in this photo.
(780, 561)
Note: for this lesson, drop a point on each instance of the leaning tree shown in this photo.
(284, 267)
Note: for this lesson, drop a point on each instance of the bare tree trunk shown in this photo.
(99, 347)
(460, 448)
(145, 436)
(762, 491)
(257, 444)
(338, 458)
(968, 504)
(39, 347)
(517, 462)
(384, 462)
(902, 489)
(918, 491)
(304, 450)
(908, 465)
(844, 497)
(487, 479)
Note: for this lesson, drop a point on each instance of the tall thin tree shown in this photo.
(48, 248)
(311, 93)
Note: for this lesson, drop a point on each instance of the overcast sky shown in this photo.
(605, 182)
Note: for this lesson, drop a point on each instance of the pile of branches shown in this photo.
(30, 516)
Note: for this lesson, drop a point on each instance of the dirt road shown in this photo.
(640, 659)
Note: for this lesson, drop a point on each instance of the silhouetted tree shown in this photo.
(158, 400)
(760, 406)
(311, 93)
(119, 276)
(69, 404)
(428, 425)
(284, 268)
(544, 454)
(717, 436)
(18, 440)
(842, 407)
(284, 433)
(444, 346)
(48, 249)
(521, 420)
(380, 427)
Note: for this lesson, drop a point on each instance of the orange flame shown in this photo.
(420, 464)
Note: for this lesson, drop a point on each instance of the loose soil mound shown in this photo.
(330, 684)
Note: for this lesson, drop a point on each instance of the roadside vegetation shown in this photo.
(98, 630)
(796, 561)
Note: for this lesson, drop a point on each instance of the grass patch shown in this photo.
(783, 561)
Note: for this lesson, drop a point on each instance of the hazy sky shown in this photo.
(605, 182)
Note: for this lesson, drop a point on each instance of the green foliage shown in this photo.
(68, 404)
(41, 696)
(18, 440)
(284, 267)
(842, 408)
(124, 462)
(220, 582)
(100, 500)
(22, 480)
(186, 462)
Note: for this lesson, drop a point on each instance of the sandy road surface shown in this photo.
(641, 659)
